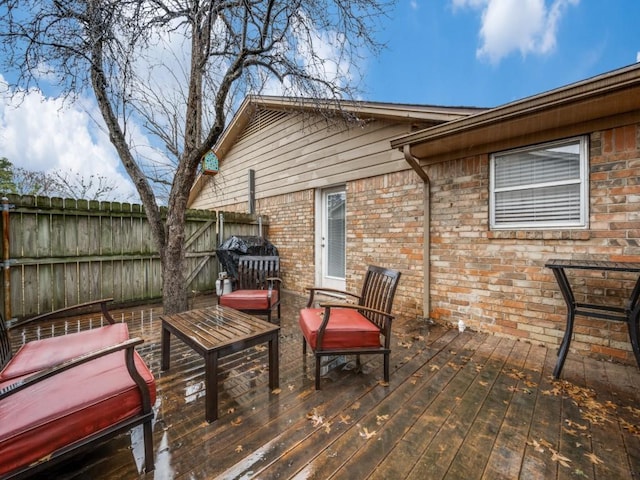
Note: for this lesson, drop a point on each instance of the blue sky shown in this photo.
(485, 53)
(480, 53)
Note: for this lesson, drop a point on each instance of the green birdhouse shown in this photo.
(210, 163)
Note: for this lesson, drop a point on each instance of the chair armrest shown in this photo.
(49, 315)
(271, 281)
(128, 345)
(328, 306)
(323, 290)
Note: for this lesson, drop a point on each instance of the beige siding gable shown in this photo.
(290, 152)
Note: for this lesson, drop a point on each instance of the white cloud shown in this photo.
(46, 134)
(527, 26)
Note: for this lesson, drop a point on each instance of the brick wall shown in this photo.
(385, 228)
(493, 281)
(497, 282)
(291, 230)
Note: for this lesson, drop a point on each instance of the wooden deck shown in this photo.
(458, 406)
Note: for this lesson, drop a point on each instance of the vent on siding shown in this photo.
(261, 120)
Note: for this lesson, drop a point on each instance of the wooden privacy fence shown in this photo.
(60, 252)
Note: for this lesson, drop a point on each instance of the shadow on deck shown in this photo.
(458, 406)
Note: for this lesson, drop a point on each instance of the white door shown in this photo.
(332, 237)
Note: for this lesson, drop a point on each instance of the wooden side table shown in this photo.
(215, 332)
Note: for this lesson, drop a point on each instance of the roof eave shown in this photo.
(609, 99)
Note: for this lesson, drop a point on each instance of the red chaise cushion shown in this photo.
(47, 352)
(249, 299)
(346, 329)
(67, 407)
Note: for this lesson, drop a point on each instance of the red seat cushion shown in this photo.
(346, 329)
(249, 299)
(67, 407)
(47, 352)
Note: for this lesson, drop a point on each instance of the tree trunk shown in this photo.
(175, 293)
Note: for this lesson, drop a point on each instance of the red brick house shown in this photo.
(465, 175)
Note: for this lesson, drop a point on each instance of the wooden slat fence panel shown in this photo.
(63, 252)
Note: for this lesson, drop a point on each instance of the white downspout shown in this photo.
(415, 164)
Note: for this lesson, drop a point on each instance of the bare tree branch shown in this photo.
(166, 74)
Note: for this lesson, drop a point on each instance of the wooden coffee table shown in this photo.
(215, 332)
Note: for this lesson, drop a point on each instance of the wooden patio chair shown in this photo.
(352, 328)
(257, 287)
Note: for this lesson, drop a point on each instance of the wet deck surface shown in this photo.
(458, 406)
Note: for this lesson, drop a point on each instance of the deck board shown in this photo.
(458, 405)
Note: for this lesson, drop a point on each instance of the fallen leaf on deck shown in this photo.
(315, 418)
(517, 375)
(630, 427)
(536, 446)
(433, 368)
(260, 348)
(380, 419)
(633, 410)
(544, 443)
(593, 458)
(327, 427)
(236, 422)
(239, 449)
(561, 459)
(355, 406)
(483, 383)
(571, 423)
(365, 433)
(382, 383)
(346, 419)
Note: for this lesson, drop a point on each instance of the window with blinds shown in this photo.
(540, 187)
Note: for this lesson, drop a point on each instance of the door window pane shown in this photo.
(336, 234)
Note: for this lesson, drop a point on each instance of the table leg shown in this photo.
(211, 386)
(633, 320)
(564, 346)
(634, 326)
(274, 362)
(165, 342)
(567, 295)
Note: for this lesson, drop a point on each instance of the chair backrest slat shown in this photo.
(5, 344)
(254, 270)
(378, 290)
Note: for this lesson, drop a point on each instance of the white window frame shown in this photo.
(582, 180)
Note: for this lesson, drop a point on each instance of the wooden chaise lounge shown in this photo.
(62, 395)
